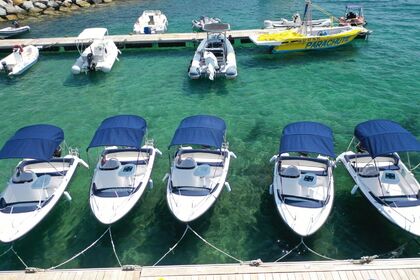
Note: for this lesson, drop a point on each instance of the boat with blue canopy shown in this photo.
(199, 166)
(38, 181)
(303, 183)
(380, 174)
(124, 168)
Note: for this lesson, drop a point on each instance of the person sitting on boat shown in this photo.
(351, 15)
(18, 49)
(15, 24)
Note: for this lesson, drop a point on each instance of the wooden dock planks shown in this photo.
(135, 40)
(389, 269)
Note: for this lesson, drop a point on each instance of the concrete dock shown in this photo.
(379, 269)
(237, 37)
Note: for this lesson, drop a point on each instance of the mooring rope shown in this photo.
(173, 247)
(289, 252)
(13, 250)
(316, 253)
(81, 252)
(214, 247)
(113, 247)
(7, 251)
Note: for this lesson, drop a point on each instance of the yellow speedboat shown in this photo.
(307, 37)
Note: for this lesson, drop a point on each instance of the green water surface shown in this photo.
(378, 78)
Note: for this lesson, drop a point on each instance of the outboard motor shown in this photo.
(5, 67)
(91, 64)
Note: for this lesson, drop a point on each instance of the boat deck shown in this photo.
(385, 269)
(132, 41)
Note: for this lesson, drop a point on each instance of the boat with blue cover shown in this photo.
(303, 183)
(198, 172)
(38, 181)
(380, 174)
(124, 168)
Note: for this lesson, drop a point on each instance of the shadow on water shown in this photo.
(204, 86)
(255, 56)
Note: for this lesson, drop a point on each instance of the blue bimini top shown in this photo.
(381, 137)
(120, 130)
(34, 141)
(307, 137)
(200, 130)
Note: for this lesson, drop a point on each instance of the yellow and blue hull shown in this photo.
(304, 43)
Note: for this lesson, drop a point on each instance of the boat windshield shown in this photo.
(191, 191)
(113, 191)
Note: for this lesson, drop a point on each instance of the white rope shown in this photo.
(113, 247)
(13, 250)
(415, 167)
(7, 251)
(316, 253)
(214, 247)
(81, 252)
(288, 253)
(173, 247)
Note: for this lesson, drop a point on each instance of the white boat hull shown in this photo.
(15, 225)
(187, 208)
(20, 60)
(303, 208)
(213, 65)
(406, 217)
(109, 209)
(151, 22)
(104, 53)
(13, 31)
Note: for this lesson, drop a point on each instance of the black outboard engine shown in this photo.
(57, 152)
(91, 64)
(5, 67)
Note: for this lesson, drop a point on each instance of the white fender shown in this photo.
(165, 177)
(158, 151)
(67, 195)
(273, 158)
(354, 189)
(151, 184)
(270, 189)
(228, 187)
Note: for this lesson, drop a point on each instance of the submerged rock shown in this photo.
(64, 9)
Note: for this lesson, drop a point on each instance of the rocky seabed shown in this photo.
(21, 9)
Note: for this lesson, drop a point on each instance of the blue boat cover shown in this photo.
(307, 137)
(381, 137)
(120, 130)
(34, 141)
(200, 130)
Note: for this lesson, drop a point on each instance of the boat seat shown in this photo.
(111, 164)
(290, 172)
(369, 171)
(188, 163)
(21, 177)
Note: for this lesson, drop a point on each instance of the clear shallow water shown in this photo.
(342, 87)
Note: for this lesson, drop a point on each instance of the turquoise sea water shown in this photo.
(378, 78)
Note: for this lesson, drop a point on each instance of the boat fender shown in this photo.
(273, 158)
(270, 189)
(75, 69)
(165, 177)
(322, 33)
(151, 184)
(67, 195)
(228, 187)
(354, 189)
